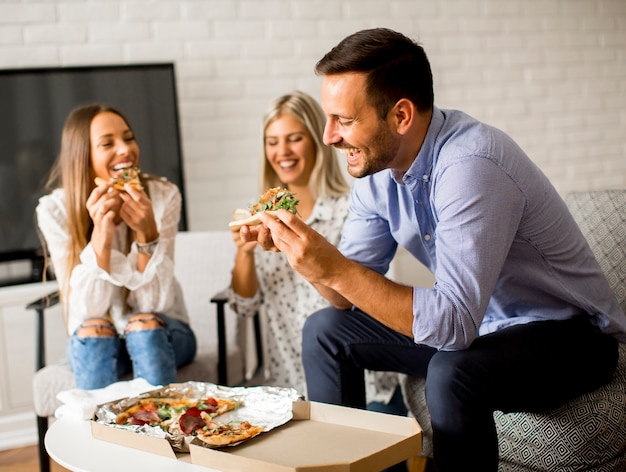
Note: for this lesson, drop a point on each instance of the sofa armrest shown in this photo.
(40, 306)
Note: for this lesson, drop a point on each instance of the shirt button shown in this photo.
(427, 237)
(426, 177)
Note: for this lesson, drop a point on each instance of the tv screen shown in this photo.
(35, 104)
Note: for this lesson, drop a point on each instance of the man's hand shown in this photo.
(341, 281)
(307, 251)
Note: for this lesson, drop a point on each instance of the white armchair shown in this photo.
(203, 263)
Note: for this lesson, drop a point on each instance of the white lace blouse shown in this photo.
(284, 301)
(95, 292)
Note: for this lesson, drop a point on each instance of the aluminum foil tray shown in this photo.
(264, 406)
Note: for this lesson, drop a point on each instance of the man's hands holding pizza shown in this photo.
(307, 251)
(341, 281)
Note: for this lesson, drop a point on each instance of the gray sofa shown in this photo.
(587, 434)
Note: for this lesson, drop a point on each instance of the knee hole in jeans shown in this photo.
(96, 328)
(144, 321)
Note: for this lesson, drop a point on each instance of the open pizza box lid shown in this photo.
(320, 438)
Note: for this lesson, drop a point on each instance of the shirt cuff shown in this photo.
(89, 260)
(244, 306)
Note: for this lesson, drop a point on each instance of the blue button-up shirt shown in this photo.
(486, 221)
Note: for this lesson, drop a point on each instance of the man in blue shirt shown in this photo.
(521, 317)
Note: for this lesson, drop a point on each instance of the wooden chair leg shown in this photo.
(417, 464)
(44, 458)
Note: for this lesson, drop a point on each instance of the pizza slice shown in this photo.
(151, 410)
(130, 176)
(176, 414)
(272, 199)
(224, 434)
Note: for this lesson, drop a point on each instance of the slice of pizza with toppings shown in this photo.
(198, 416)
(129, 176)
(176, 414)
(225, 434)
(152, 411)
(271, 200)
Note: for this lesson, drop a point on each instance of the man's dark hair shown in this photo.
(396, 67)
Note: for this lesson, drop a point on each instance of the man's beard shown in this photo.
(381, 153)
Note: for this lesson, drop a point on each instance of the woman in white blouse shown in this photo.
(112, 253)
(294, 157)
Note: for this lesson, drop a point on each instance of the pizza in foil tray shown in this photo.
(206, 414)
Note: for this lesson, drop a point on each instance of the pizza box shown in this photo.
(269, 406)
(131, 439)
(321, 438)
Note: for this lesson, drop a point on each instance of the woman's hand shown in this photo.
(259, 234)
(243, 246)
(103, 205)
(136, 211)
(243, 276)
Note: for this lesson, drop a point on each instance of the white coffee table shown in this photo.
(69, 442)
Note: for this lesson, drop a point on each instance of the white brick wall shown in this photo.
(552, 73)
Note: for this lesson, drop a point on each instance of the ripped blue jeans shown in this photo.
(152, 354)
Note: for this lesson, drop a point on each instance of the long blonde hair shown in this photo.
(326, 177)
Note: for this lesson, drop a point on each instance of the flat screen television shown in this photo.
(35, 103)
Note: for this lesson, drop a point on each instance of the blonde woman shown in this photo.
(294, 157)
(112, 252)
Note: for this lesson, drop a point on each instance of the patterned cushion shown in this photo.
(588, 433)
(415, 399)
(601, 216)
(585, 434)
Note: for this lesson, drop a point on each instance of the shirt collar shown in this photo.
(422, 167)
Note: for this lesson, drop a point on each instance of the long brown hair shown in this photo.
(73, 173)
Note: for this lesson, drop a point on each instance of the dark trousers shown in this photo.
(531, 367)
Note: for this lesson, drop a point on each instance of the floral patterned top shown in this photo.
(284, 301)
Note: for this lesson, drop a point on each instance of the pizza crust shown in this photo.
(230, 434)
(252, 220)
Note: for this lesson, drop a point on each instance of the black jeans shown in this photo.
(531, 367)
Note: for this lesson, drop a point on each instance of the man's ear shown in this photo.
(402, 115)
